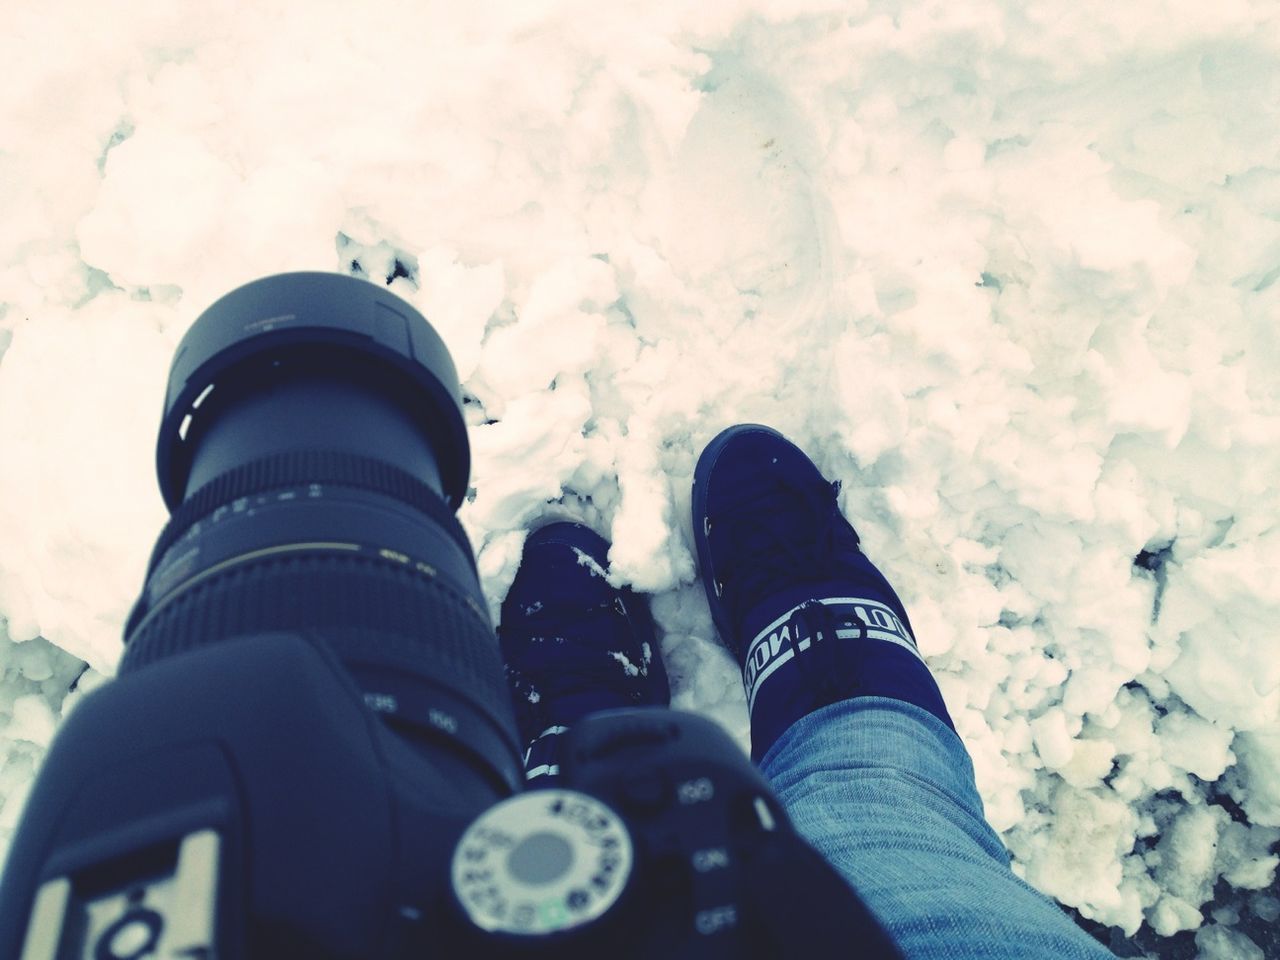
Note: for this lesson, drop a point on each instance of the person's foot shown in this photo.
(572, 643)
(809, 618)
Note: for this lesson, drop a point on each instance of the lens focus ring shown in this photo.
(302, 468)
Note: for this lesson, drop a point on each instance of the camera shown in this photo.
(310, 751)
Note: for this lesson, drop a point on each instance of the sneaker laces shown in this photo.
(824, 668)
(769, 551)
(570, 660)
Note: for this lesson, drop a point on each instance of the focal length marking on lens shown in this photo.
(271, 551)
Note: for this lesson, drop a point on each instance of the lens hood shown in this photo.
(296, 312)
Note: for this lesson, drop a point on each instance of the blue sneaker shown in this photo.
(807, 614)
(572, 643)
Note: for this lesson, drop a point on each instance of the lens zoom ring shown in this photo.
(424, 626)
(298, 468)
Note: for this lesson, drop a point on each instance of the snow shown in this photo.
(1006, 269)
(629, 668)
(1222, 943)
(1256, 787)
(586, 560)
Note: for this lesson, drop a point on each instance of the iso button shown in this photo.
(541, 863)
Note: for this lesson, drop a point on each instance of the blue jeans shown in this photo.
(885, 791)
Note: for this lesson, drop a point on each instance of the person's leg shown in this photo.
(846, 720)
(572, 643)
(885, 792)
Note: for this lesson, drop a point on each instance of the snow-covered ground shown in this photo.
(1008, 268)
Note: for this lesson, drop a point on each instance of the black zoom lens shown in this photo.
(312, 454)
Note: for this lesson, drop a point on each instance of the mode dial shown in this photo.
(542, 862)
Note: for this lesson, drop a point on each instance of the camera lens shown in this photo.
(312, 453)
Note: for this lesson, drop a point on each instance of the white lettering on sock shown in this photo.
(545, 747)
(776, 645)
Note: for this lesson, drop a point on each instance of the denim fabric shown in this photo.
(885, 791)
